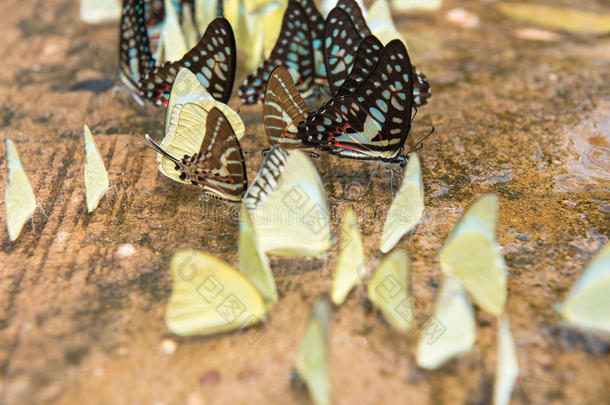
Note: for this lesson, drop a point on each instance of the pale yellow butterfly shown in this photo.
(209, 296)
(191, 34)
(507, 369)
(587, 306)
(408, 5)
(379, 20)
(96, 176)
(451, 332)
(253, 263)
(472, 254)
(205, 12)
(388, 289)
(19, 196)
(407, 208)
(351, 264)
(288, 205)
(98, 11)
(185, 121)
(312, 357)
(174, 43)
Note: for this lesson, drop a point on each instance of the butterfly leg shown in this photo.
(368, 185)
(41, 210)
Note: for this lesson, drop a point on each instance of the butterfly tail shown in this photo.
(155, 146)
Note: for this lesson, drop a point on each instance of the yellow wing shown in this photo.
(351, 262)
(208, 296)
(19, 197)
(96, 176)
(388, 289)
(97, 11)
(451, 331)
(191, 35)
(205, 12)
(253, 263)
(407, 208)
(174, 43)
(379, 20)
(472, 254)
(588, 304)
(507, 369)
(186, 131)
(312, 358)
(291, 218)
(185, 89)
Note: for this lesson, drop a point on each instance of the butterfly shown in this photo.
(218, 167)
(407, 208)
(344, 30)
(452, 330)
(471, 253)
(288, 205)
(507, 368)
(388, 289)
(293, 49)
(98, 11)
(312, 356)
(374, 121)
(587, 304)
(96, 176)
(212, 60)
(351, 264)
(19, 196)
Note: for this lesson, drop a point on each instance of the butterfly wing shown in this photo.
(135, 57)
(316, 28)
(96, 176)
(283, 109)
(219, 166)
(407, 208)
(293, 50)
(354, 11)
(19, 197)
(288, 205)
(209, 296)
(374, 122)
(365, 60)
(341, 40)
(212, 60)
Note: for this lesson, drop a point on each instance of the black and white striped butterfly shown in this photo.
(212, 60)
(344, 30)
(219, 166)
(293, 50)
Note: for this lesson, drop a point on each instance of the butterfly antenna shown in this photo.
(420, 143)
(153, 145)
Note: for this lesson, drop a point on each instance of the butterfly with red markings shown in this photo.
(293, 50)
(344, 30)
(218, 167)
(212, 60)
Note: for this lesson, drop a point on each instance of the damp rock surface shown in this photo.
(82, 297)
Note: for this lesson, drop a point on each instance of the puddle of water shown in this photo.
(587, 166)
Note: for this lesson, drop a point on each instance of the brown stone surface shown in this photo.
(81, 312)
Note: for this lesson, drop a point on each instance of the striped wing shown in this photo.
(421, 88)
(283, 109)
(341, 41)
(212, 60)
(373, 122)
(293, 50)
(219, 166)
(135, 58)
(267, 177)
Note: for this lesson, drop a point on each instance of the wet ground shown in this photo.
(82, 298)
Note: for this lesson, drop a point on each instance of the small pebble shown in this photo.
(168, 346)
(210, 378)
(126, 250)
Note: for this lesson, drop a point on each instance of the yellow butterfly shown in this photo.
(379, 20)
(588, 304)
(407, 208)
(98, 11)
(288, 205)
(388, 289)
(19, 196)
(96, 176)
(507, 369)
(472, 254)
(312, 357)
(351, 263)
(185, 121)
(172, 39)
(451, 331)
